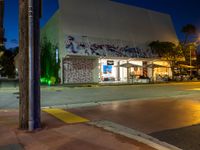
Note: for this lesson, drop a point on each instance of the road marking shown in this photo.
(65, 116)
(195, 89)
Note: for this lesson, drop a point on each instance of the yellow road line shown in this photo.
(65, 116)
(195, 89)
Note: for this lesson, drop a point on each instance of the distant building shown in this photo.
(1, 22)
(96, 38)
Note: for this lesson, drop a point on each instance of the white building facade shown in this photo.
(99, 39)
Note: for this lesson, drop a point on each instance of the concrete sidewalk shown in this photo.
(56, 135)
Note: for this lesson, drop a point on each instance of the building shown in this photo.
(105, 41)
(1, 22)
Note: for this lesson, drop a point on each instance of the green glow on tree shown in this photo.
(50, 63)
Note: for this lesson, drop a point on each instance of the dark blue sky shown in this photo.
(11, 18)
(181, 11)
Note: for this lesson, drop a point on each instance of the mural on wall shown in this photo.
(83, 45)
(78, 70)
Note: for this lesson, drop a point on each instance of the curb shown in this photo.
(98, 103)
(133, 134)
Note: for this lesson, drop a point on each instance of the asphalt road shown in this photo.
(56, 96)
(175, 121)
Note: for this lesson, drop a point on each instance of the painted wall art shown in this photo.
(88, 46)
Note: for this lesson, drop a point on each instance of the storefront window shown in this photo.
(108, 74)
(112, 70)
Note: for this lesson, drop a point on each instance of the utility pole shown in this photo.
(29, 64)
(36, 58)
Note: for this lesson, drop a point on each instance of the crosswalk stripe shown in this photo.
(65, 116)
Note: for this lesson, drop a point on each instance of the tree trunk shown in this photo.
(23, 64)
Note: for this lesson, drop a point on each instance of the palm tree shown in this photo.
(188, 30)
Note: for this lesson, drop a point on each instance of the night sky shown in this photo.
(181, 11)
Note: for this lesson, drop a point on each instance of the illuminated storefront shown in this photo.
(125, 70)
(115, 70)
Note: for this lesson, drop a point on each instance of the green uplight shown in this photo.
(49, 82)
(43, 80)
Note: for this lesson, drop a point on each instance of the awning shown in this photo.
(129, 65)
(187, 66)
(156, 66)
